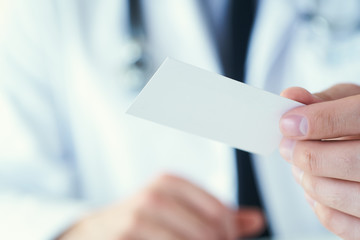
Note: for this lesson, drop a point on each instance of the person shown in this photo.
(74, 166)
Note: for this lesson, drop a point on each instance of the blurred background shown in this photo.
(70, 69)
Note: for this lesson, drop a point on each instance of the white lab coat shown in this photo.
(66, 145)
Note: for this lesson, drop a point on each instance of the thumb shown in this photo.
(325, 120)
(248, 222)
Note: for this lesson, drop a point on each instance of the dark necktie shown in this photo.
(242, 14)
(232, 43)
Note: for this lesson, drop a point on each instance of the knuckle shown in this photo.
(324, 119)
(310, 161)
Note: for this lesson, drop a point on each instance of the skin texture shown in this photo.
(321, 141)
(169, 208)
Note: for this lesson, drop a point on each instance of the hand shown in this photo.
(169, 208)
(321, 140)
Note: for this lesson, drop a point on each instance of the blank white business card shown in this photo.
(200, 102)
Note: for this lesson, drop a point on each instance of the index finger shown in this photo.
(324, 120)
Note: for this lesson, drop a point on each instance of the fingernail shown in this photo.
(294, 126)
(310, 200)
(286, 149)
(298, 174)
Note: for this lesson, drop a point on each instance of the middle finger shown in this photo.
(333, 159)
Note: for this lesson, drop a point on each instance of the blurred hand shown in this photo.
(169, 208)
(321, 140)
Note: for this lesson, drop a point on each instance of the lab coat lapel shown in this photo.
(178, 29)
(268, 40)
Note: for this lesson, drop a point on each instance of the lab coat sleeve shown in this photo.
(38, 180)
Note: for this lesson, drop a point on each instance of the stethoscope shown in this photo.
(333, 30)
(336, 19)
